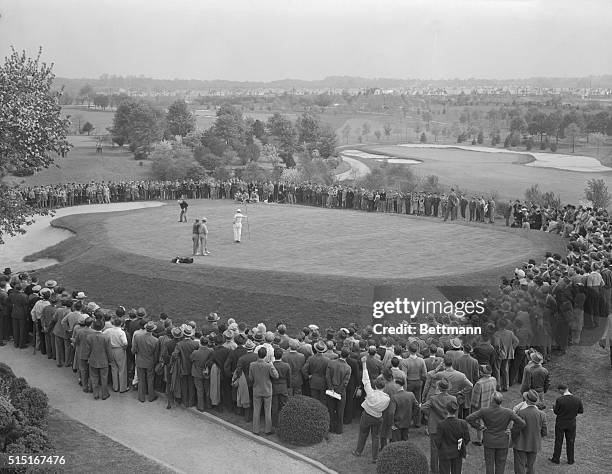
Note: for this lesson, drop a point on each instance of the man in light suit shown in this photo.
(261, 374)
(337, 376)
(146, 351)
(495, 420)
(99, 353)
(469, 367)
(527, 442)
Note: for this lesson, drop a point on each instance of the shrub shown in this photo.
(18, 385)
(6, 372)
(303, 421)
(35, 440)
(402, 457)
(33, 403)
(553, 147)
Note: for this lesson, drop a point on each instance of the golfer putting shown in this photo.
(238, 217)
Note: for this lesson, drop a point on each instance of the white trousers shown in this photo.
(237, 232)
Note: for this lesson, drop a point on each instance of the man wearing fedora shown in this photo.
(146, 351)
(183, 349)
(536, 377)
(119, 361)
(482, 394)
(526, 442)
(338, 374)
(314, 371)
(296, 361)
(436, 410)
(199, 359)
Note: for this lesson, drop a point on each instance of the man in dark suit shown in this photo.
(199, 358)
(567, 407)
(451, 440)
(314, 371)
(528, 441)
(281, 385)
(337, 376)
(495, 420)
(99, 353)
(401, 408)
(18, 307)
(352, 402)
(146, 351)
(242, 367)
(261, 374)
(469, 367)
(296, 361)
(435, 410)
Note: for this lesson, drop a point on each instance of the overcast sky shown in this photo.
(311, 39)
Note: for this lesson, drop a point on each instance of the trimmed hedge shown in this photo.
(402, 457)
(34, 404)
(303, 421)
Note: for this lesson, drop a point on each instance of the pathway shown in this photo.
(177, 438)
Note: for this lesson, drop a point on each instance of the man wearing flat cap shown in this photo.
(146, 351)
(527, 442)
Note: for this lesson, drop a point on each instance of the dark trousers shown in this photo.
(369, 424)
(523, 462)
(99, 381)
(84, 374)
(336, 413)
(504, 374)
(517, 365)
(59, 351)
(400, 434)
(20, 336)
(67, 350)
(278, 402)
(319, 394)
(201, 393)
(495, 460)
(570, 437)
(50, 345)
(415, 386)
(451, 466)
(5, 327)
(146, 381)
(187, 391)
(434, 461)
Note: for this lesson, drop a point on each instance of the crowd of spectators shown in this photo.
(451, 205)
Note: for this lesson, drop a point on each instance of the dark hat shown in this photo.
(7, 271)
(150, 326)
(258, 337)
(212, 317)
(531, 396)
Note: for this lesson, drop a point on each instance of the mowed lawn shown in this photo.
(82, 165)
(301, 265)
(303, 239)
(500, 172)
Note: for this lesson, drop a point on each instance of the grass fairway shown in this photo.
(302, 265)
(501, 172)
(82, 165)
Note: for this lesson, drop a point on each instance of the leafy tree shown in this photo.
(553, 124)
(529, 144)
(269, 154)
(230, 126)
(572, 131)
(423, 138)
(252, 152)
(174, 162)
(326, 141)
(86, 93)
(284, 136)
(365, 129)
(387, 128)
(518, 124)
(346, 131)
(258, 129)
(137, 123)
(596, 191)
(32, 131)
(599, 139)
(87, 128)
(101, 100)
(480, 137)
(377, 134)
(307, 126)
(253, 172)
(537, 124)
(435, 130)
(179, 120)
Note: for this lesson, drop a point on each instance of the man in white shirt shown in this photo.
(238, 225)
(118, 362)
(375, 403)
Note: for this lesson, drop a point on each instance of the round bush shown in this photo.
(18, 385)
(402, 457)
(34, 404)
(303, 421)
(6, 372)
